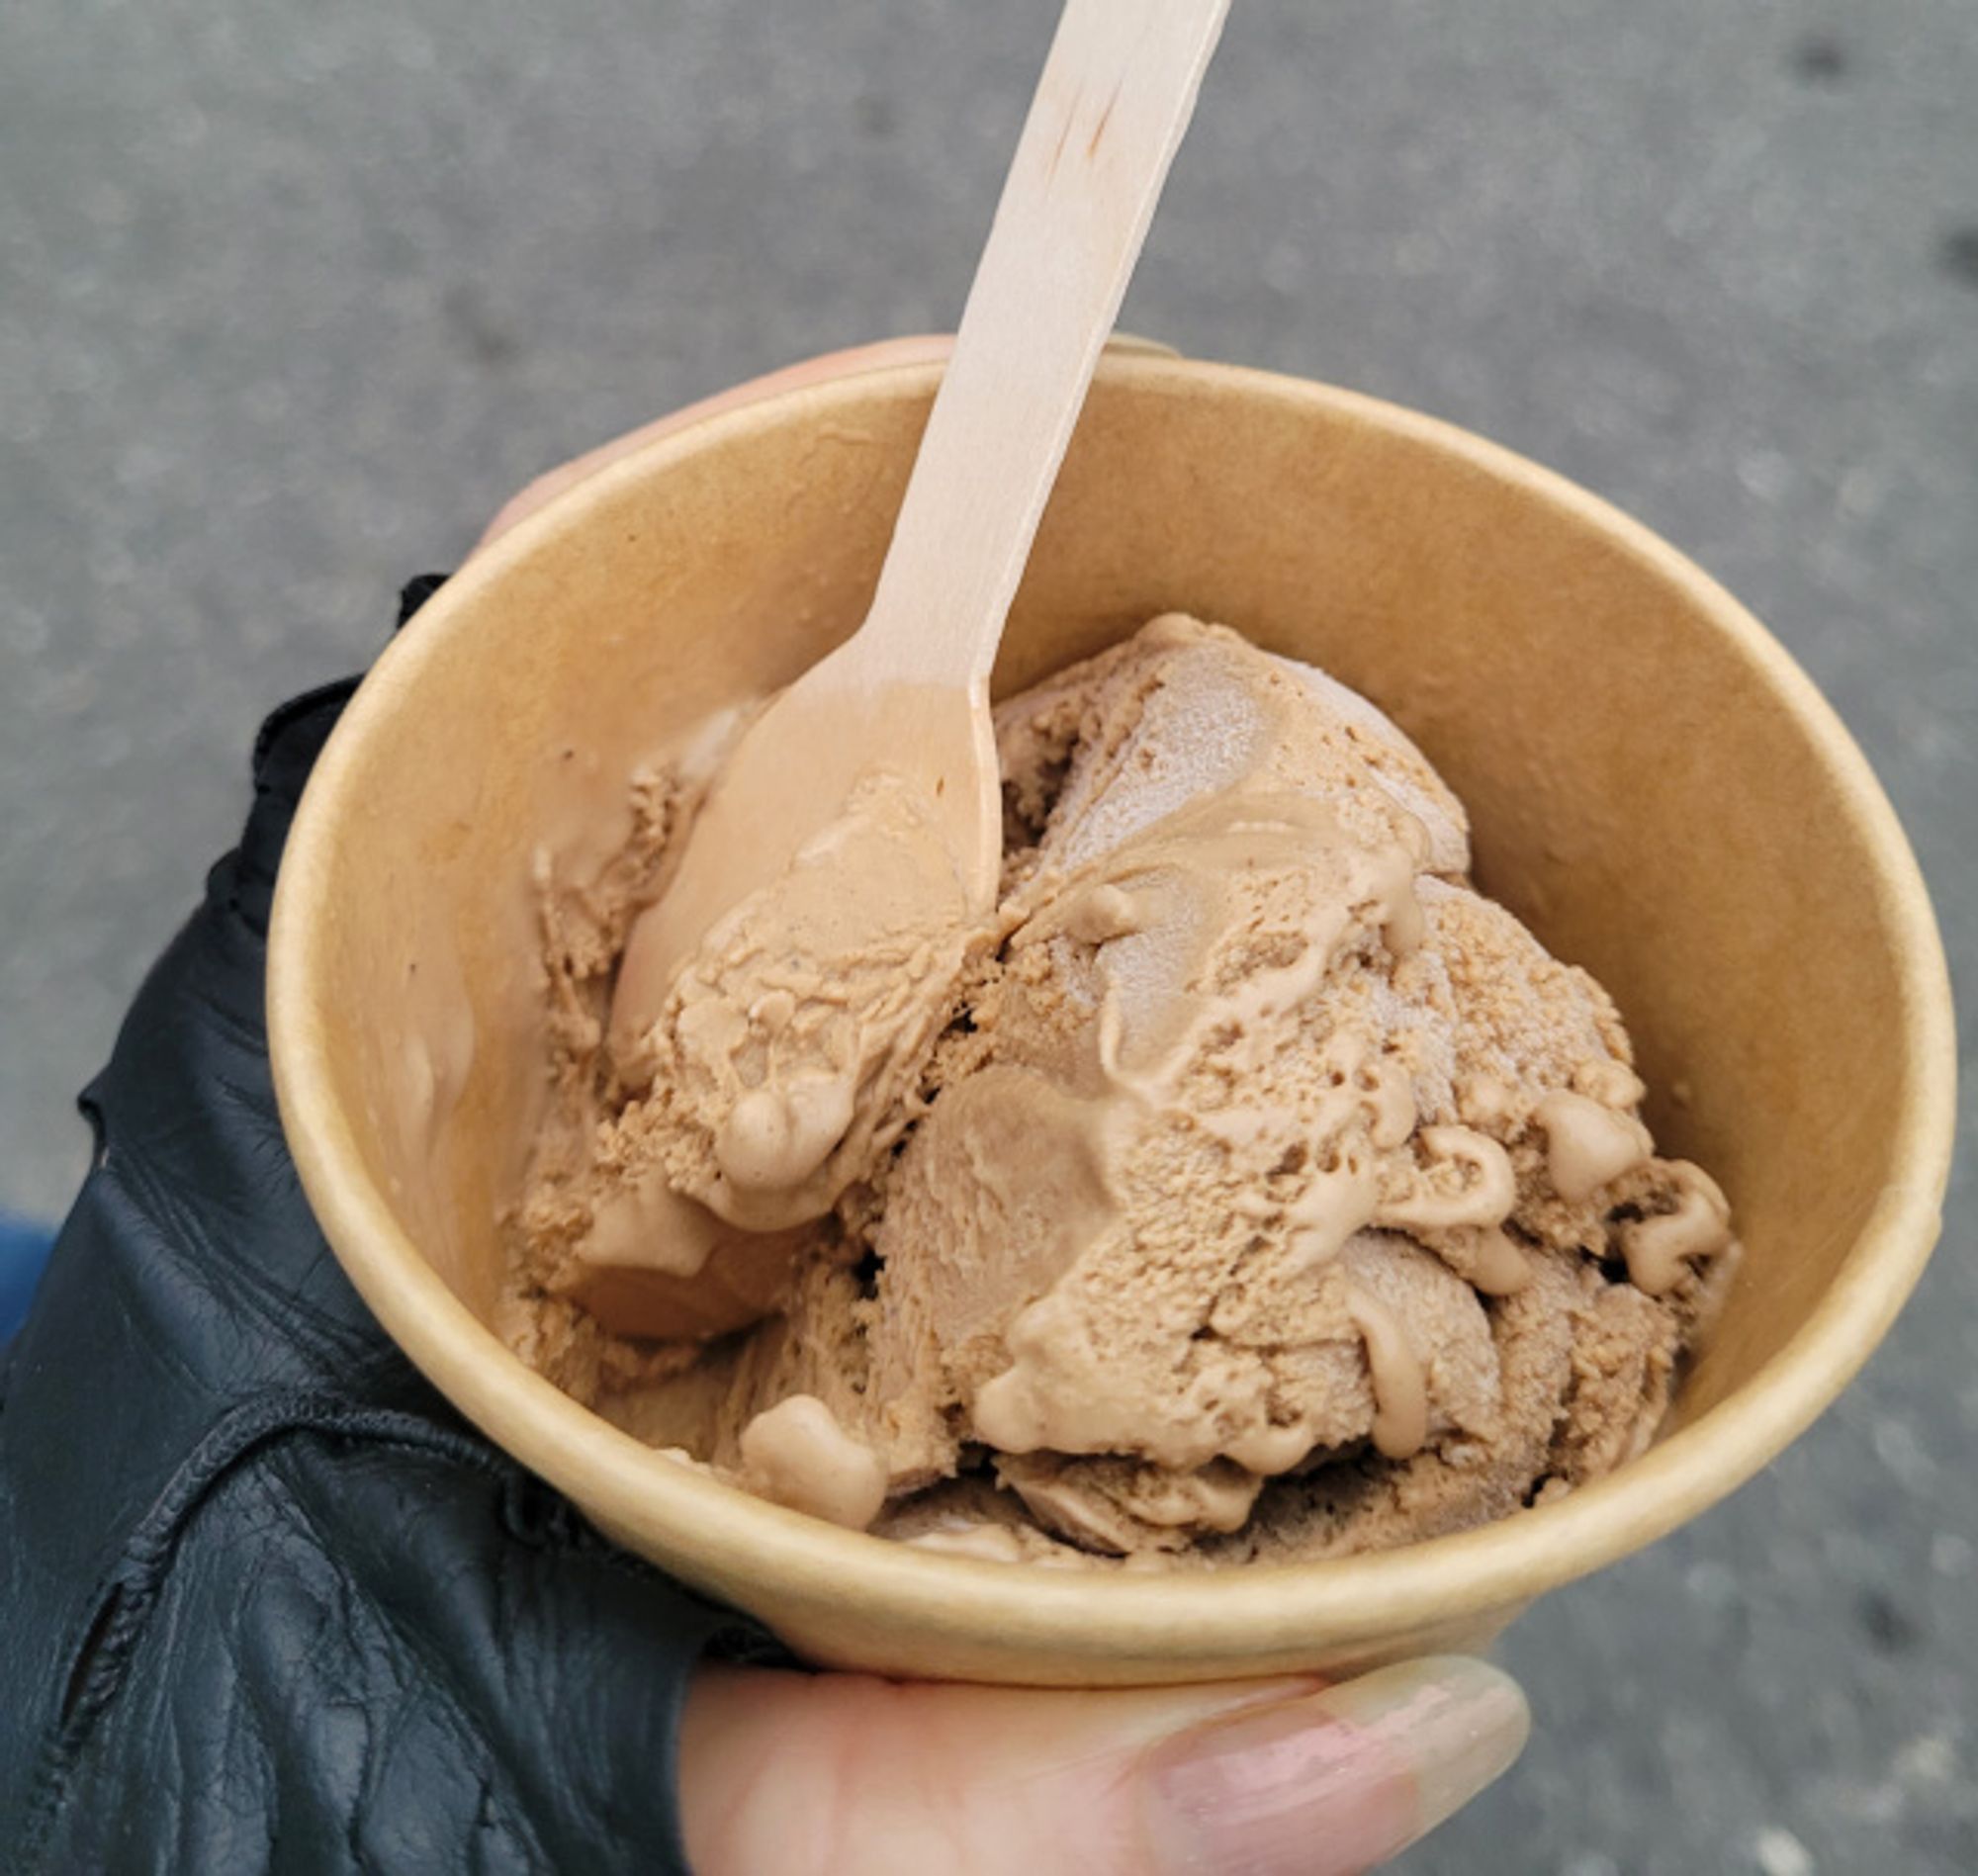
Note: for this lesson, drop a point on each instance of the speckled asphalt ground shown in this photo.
(290, 296)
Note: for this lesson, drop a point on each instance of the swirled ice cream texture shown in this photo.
(787, 1045)
(1247, 1186)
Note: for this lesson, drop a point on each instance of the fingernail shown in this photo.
(1333, 1782)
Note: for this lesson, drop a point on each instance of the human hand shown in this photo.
(265, 1600)
(837, 1774)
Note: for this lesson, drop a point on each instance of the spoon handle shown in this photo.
(1115, 98)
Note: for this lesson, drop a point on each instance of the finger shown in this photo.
(832, 1774)
(915, 350)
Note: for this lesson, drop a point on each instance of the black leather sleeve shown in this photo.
(265, 1601)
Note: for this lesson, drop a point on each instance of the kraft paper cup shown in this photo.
(1655, 787)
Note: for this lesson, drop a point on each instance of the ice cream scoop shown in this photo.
(1250, 1183)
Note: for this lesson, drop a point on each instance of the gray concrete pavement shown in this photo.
(292, 297)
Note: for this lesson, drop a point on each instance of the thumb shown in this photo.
(832, 1774)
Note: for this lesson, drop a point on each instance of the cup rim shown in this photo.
(721, 1535)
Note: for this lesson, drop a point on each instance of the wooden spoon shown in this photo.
(909, 690)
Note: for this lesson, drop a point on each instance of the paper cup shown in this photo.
(1655, 787)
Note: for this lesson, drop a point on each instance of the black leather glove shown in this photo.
(265, 1601)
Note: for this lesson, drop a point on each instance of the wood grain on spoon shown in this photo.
(908, 692)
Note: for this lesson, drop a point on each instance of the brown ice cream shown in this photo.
(1245, 1186)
